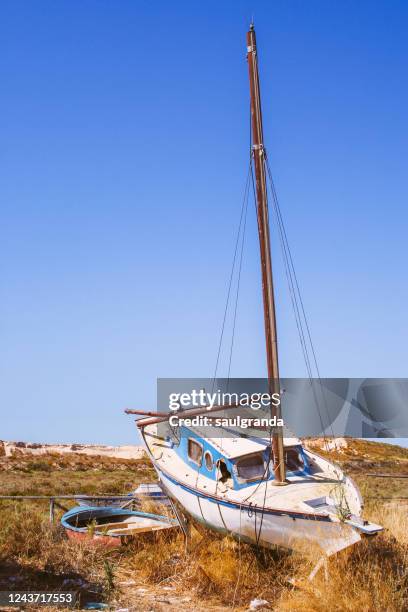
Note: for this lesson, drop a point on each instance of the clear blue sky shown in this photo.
(124, 144)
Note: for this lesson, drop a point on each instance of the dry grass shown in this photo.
(36, 555)
(215, 570)
(52, 474)
(371, 576)
(155, 572)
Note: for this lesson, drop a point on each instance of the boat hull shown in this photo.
(111, 526)
(255, 525)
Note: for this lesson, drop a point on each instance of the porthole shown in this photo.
(209, 464)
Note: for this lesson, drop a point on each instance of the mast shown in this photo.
(258, 154)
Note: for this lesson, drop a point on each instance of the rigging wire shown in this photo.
(241, 226)
(298, 306)
(237, 241)
(244, 205)
(295, 307)
(238, 282)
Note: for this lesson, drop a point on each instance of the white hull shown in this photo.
(304, 514)
(263, 527)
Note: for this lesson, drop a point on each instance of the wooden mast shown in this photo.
(258, 153)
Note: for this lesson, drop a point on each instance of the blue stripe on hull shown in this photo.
(238, 506)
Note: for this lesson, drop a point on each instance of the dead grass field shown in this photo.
(155, 572)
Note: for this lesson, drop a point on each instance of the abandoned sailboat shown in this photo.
(227, 483)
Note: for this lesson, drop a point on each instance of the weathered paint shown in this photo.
(211, 447)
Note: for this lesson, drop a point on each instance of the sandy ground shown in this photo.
(123, 452)
(34, 448)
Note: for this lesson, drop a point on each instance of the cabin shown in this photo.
(236, 462)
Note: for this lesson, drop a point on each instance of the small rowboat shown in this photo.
(112, 527)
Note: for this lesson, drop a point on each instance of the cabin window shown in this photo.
(294, 460)
(208, 460)
(251, 467)
(195, 451)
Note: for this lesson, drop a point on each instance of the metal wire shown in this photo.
(298, 308)
(231, 277)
